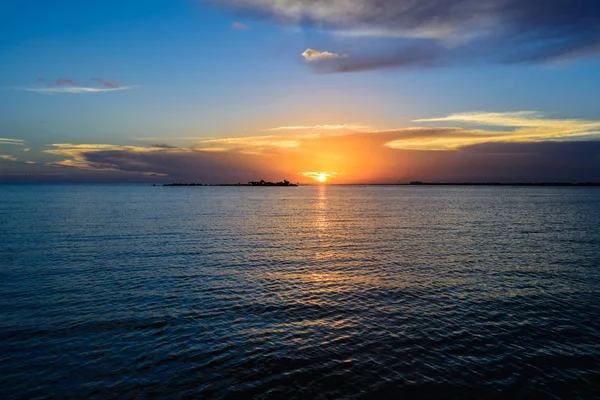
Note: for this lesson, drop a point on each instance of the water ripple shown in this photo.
(135, 291)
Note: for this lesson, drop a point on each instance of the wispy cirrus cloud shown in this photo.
(529, 119)
(442, 32)
(73, 89)
(353, 127)
(69, 85)
(17, 142)
(249, 142)
(522, 126)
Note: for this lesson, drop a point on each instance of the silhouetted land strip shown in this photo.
(414, 183)
(418, 183)
(260, 183)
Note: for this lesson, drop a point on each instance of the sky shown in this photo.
(358, 91)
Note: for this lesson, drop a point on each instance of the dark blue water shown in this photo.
(135, 291)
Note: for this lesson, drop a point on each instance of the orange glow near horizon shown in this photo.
(322, 178)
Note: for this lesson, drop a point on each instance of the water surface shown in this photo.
(308, 292)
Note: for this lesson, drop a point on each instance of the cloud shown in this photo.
(108, 84)
(250, 142)
(523, 126)
(162, 146)
(65, 81)
(312, 55)
(240, 26)
(422, 55)
(475, 146)
(82, 156)
(528, 125)
(195, 165)
(157, 139)
(352, 127)
(437, 139)
(442, 32)
(356, 158)
(68, 85)
(293, 139)
(17, 142)
(530, 119)
(72, 89)
(8, 157)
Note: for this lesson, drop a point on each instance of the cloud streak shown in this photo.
(73, 89)
(319, 128)
(523, 126)
(17, 142)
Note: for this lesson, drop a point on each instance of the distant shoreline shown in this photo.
(253, 184)
(521, 184)
(501, 184)
(515, 184)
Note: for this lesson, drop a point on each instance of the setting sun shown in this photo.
(322, 178)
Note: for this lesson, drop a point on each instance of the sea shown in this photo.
(135, 291)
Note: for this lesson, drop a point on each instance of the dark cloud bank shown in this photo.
(443, 32)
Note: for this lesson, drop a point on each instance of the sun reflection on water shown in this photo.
(321, 218)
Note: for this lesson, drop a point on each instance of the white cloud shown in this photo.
(72, 89)
(316, 55)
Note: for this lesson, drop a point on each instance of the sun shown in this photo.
(322, 178)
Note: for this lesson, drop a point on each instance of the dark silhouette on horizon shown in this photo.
(419, 183)
(251, 183)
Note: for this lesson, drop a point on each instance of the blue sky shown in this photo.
(186, 73)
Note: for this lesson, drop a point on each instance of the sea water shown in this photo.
(144, 291)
